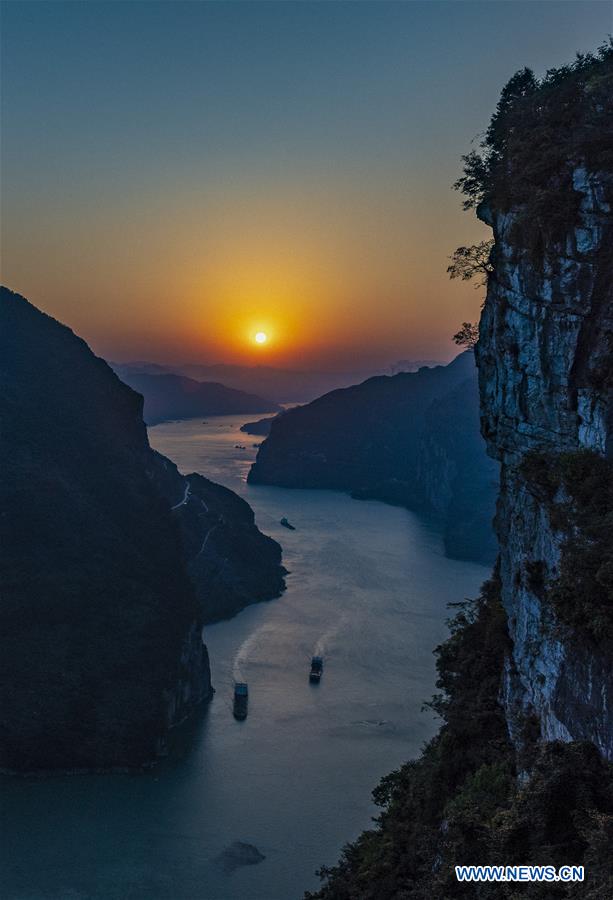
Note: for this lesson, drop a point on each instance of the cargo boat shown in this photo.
(241, 700)
(317, 667)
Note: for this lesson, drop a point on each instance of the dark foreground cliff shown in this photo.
(103, 594)
(411, 439)
(520, 771)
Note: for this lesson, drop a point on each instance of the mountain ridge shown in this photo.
(379, 440)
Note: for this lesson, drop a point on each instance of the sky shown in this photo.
(178, 176)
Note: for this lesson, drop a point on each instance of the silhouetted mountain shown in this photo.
(102, 650)
(280, 385)
(410, 439)
(412, 365)
(231, 563)
(177, 397)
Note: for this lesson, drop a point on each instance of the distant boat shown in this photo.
(287, 524)
(317, 668)
(241, 700)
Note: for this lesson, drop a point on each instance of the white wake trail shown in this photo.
(326, 641)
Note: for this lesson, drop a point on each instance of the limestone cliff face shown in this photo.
(544, 358)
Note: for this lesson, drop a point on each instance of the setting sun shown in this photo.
(261, 337)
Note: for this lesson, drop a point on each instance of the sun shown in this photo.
(261, 337)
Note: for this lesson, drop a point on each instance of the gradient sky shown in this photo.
(177, 176)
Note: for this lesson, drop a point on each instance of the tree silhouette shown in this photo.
(470, 262)
(467, 336)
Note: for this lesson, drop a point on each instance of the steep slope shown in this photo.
(170, 396)
(546, 376)
(111, 561)
(519, 773)
(411, 439)
(101, 649)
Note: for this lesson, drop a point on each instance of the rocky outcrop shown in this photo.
(545, 358)
(230, 562)
(411, 439)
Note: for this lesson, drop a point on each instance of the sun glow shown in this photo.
(261, 337)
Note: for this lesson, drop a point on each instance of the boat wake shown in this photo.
(244, 652)
(328, 638)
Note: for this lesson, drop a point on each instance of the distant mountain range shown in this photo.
(412, 365)
(278, 385)
(411, 439)
(170, 396)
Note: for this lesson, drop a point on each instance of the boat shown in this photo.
(287, 524)
(317, 668)
(241, 700)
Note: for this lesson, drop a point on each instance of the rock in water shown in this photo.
(239, 854)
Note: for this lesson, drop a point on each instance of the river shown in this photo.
(368, 589)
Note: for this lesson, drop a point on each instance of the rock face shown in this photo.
(105, 586)
(545, 357)
(518, 768)
(411, 439)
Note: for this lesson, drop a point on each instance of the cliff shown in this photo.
(545, 358)
(105, 586)
(520, 770)
(411, 439)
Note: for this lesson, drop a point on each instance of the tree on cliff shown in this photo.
(467, 336)
(472, 262)
(528, 152)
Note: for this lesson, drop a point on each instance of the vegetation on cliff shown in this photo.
(460, 802)
(541, 131)
(577, 489)
(472, 797)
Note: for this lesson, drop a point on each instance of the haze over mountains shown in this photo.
(170, 396)
(274, 384)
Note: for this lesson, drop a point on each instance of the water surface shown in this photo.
(368, 589)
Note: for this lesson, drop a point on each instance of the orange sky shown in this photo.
(178, 176)
(334, 278)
